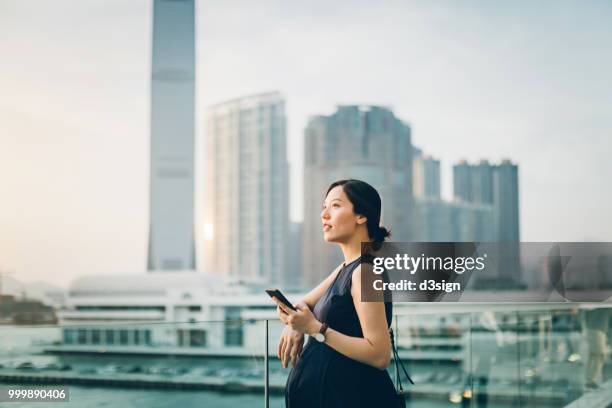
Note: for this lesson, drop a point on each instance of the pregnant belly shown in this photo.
(325, 378)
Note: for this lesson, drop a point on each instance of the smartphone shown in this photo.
(277, 294)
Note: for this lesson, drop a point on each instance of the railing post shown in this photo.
(518, 355)
(267, 372)
(397, 374)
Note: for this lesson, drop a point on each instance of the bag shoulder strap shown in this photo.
(398, 362)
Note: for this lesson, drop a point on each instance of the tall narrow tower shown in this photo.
(171, 227)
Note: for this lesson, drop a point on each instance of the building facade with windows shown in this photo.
(368, 143)
(173, 312)
(246, 215)
(498, 186)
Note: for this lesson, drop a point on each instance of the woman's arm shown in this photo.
(373, 349)
(291, 341)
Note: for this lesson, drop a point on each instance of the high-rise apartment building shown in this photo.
(485, 183)
(246, 218)
(361, 142)
(496, 184)
(293, 263)
(425, 175)
(506, 200)
(473, 183)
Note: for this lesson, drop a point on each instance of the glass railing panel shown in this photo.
(595, 345)
(549, 357)
(564, 356)
(217, 364)
(435, 350)
(519, 355)
(494, 363)
(278, 374)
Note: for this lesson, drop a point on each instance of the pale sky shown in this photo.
(525, 80)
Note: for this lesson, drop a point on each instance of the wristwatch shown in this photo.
(320, 336)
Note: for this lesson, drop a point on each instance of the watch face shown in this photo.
(319, 337)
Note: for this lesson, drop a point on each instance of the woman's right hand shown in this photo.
(282, 315)
(290, 346)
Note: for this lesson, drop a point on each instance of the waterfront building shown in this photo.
(171, 312)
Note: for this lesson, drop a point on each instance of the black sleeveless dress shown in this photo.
(325, 378)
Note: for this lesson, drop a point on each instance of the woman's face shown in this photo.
(338, 219)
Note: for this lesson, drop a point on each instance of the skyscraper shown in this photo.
(506, 205)
(485, 183)
(425, 175)
(361, 142)
(462, 181)
(506, 199)
(482, 183)
(247, 189)
(496, 184)
(473, 183)
(294, 259)
(171, 226)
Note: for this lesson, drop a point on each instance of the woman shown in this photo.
(344, 362)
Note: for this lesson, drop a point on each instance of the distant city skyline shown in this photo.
(523, 81)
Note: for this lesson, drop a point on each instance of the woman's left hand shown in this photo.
(303, 320)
